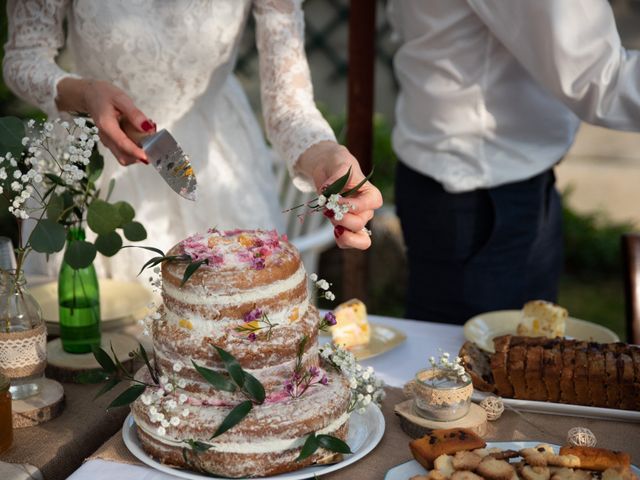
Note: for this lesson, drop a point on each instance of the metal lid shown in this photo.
(4, 383)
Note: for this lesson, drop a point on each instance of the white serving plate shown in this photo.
(383, 339)
(565, 409)
(406, 470)
(483, 328)
(365, 432)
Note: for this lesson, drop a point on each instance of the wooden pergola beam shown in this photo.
(362, 28)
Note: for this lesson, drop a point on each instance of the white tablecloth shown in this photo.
(395, 367)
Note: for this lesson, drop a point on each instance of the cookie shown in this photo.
(534, 473)
(466, 461)
(466, 475)
(493, 469)
(444, 464)
(536, 457)
(567, 461)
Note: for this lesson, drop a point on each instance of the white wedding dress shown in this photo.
(175, 60)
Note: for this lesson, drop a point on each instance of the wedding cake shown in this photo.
(251, 299)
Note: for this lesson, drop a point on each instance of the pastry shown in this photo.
(493, 469)
(351, 328)
(541, 318)
(444, 442)
(600, 459)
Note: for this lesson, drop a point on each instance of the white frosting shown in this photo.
(266, 446)
(254, 295)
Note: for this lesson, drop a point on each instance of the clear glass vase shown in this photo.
(23, 336)
(79, 304)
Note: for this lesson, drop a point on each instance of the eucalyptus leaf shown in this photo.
(112, 184)
(134, 231)
(310, 446)
(107, 387)
(55, 207)
(191, 269)
(128, 396)
(103, 217)
(91, 377)
(338, 185)
(80, 254)
(355, 189)
(145, 357)
(11, 133)
(109, 244)
(126, 212)
(333, 443)
(254, 388)
(234, 417)
(232, 366)
(119, 364)
(217, 380)
(48, 236)
(103, 358)
(151, 263)
(151, 249)
(96, 165)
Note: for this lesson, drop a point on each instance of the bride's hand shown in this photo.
(107, 105)
(326, 162)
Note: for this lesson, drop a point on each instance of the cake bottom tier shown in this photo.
(266, 442)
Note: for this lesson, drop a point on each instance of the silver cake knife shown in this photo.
(168, 158)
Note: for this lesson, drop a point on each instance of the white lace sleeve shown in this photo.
(35, 36)
(292, 121)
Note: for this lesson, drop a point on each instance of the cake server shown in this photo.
(168, 158)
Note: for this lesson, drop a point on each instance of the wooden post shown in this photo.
(362, 28)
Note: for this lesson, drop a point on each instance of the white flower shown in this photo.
(146, 399)
(168, 387)
(322, 284)
(322, 200)
(48, 126)
(25, 140)
(175, 421)
(3, 174)
(313, 277)
(182, 383)
(171, 404)
(81, 122)
(185, 412)
(16, 186)
(31, 122)
(338, 216)
(161, 431)
(177, 367)
(182, 398)
(369, 388)
(164, 422)
(164, 379)
(153, 410)
(17, 174)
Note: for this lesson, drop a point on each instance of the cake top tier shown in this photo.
(235, 260)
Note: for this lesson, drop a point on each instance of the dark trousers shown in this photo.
(474, 252)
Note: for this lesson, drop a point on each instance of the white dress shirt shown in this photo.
(493, 91)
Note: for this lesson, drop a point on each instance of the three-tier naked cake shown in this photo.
(251, 300)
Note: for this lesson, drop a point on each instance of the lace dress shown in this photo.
(175, 60)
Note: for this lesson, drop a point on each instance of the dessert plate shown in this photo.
(383, 339)
(483, 328)
(121, 303)
(365, 432)
(406, 470)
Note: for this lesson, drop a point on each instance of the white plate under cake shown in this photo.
(247, 272)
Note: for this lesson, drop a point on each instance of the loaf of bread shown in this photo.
(557, 370)
(600, 459)
(444, 442)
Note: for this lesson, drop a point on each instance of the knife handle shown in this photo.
(133, 133)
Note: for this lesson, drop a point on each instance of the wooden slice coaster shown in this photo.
(44, 406)
(416, 426)
(65, 366)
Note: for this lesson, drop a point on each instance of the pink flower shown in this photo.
(252, 315)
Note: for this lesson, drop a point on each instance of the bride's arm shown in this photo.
(30, 71)
(294, 125)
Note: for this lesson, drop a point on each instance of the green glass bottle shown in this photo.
(79, 304)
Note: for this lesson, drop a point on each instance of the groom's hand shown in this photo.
(108, 106)
(326, 162)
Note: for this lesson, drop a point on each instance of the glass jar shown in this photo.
(441, 396)
(6, 420)
(23, 336)
(78, 304)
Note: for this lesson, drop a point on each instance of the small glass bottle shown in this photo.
(79, 304)
(23, 336)
(6, 420)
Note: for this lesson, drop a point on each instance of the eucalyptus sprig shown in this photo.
(113, 372)
(329, 199)
(191, 268)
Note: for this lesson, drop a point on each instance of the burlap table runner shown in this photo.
(58, 447)
(393, 449)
